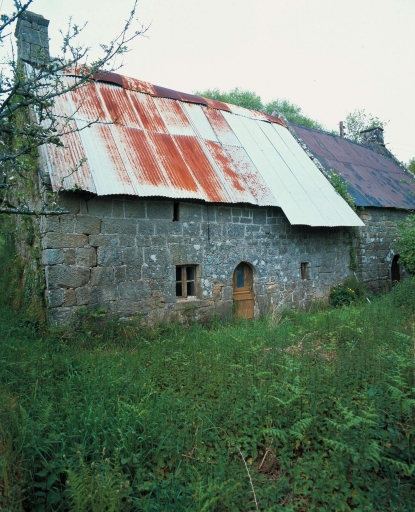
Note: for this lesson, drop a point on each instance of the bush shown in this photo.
(405, 244)
(342, 295)
(403, 294)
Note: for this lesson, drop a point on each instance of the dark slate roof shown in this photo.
(374, 180)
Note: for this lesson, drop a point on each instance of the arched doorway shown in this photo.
(395, 270)
(243, 293)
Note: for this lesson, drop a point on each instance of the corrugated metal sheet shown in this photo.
(152, 141)
(373, 179)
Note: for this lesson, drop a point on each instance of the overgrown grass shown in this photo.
(319, 407)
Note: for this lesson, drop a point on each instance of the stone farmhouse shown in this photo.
(187, 207)
(381, 187)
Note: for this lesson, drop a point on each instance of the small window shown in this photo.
(240, 275)
(305, 270)
(186, 281)
(176, 211)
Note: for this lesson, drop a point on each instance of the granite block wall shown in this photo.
(374, 246)
(122, 253)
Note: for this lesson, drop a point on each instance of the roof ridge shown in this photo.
(134, 84)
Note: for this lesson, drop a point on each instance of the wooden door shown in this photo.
(243, 293)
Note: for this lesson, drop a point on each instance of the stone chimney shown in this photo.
(372, 136)
(32, 38)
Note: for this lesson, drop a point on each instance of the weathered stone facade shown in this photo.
(375, 246)
(121, 254)
(32, 37)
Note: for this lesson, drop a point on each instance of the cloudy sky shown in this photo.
(328, 56)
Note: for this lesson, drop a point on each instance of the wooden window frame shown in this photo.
(184, 281)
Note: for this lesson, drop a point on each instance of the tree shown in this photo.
(240, 97)
(27, 119)
(359, 121)
(293, 113)
(249, 99)
(411, 165)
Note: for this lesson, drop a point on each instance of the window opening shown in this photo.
(240, 275)
(305, 270)
(176, 211)
(186, 281)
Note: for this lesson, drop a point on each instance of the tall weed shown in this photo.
(318, 410)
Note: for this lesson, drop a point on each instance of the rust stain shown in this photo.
(274, 119)
(113, 157)
(64, 160)
(221, 127)
(144, 160)
(163, 92)
(118, 106)
(88, 103)
(108, 76)
(200, 167)
(150, 117)
(132, 84)
(225, 165)
(173, 162)
(174, 117)
(218, 105)
(254, 181)
(192, 98)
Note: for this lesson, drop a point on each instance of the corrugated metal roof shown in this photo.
(373, 179)
(152, 141)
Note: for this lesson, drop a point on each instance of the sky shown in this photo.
(330, 57)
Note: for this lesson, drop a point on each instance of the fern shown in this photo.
(401, 466)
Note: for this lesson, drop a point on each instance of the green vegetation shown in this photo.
(411, 165)
(302, 411)
(358, 121)
(249, 99)
(405, 244)
(342, 188)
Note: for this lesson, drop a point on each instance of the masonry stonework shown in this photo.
(121, 254)
(375, 246)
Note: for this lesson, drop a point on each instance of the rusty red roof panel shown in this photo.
(150, 117)
(146, 140)
(63, 163)
(373, 179)
(192, 98)
(168, 155)
(253, 179)
(200, 167)
(117, 106)
(219, 105)
(238, 190)
(163, 92)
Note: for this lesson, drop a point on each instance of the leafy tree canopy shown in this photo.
(358, 121)
(411, 165)
(293, 113)
(241, 97)
(249, 99)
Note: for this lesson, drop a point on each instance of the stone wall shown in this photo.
(121, 254)
(32, 37)
(374, 246)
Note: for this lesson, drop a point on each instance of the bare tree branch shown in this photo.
(28, 92)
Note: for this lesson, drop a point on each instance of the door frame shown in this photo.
(244, 295)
